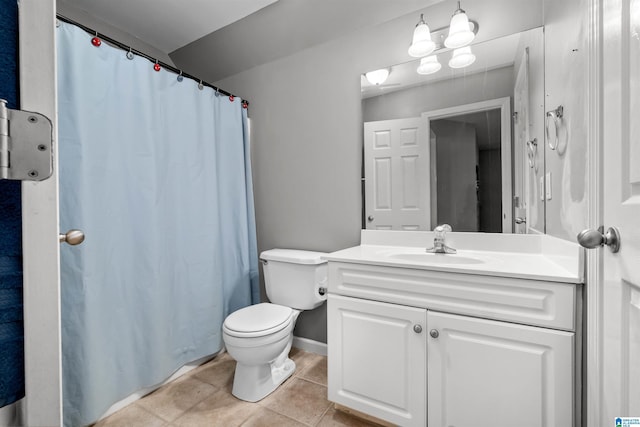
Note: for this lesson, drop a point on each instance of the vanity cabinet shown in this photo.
(427, 348)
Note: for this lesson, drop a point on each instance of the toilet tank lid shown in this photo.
(294, 256)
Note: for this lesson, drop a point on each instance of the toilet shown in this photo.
(259, 337)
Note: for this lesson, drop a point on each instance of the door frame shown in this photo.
(504, 104)
(592, 388)
(42, 405)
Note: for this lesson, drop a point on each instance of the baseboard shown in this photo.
(311, 346)
(9, 415)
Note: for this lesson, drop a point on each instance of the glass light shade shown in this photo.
(429, 65)
(378, 76)
(462, 57)
(459, 33)
(421, 45)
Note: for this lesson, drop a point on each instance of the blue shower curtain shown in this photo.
(156, 172)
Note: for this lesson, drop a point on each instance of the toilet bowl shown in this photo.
(259, 337)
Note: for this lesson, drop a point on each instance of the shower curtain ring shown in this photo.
(217, 92)
(130, 54)
(96, 40)
(180, 78)
(200, 85)
(156, 66)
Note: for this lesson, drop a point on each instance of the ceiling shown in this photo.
(169, 24)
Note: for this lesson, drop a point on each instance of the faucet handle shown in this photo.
(441, 229)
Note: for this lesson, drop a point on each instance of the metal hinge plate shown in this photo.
(26, 139)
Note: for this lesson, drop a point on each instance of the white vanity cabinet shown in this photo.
(417, 347)
(377, 358)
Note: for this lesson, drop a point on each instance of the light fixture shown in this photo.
(429, 65)
(459, 32)
(462, 57)
(377, 77)
(421, 45)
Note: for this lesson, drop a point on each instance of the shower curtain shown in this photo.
(156, 172)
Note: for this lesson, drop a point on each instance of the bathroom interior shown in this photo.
(473, 304)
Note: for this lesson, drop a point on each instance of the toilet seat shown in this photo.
(258, 320)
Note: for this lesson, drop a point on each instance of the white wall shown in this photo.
(307, 128)
(566, 84)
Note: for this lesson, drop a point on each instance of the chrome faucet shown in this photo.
(439, 245)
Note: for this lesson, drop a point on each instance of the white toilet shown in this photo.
(259, 337)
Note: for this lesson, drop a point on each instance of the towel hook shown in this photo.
(556, 117)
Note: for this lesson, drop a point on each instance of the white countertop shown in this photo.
(536, 257)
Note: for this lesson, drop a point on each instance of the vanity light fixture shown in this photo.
(462, 57)
(421, 44)
(377, 77)
(429, 65)
(459, 32)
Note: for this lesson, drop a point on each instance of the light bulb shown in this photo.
(378, 76)
(462, 57)
(421, 44)
(429, 65)
(459, 32)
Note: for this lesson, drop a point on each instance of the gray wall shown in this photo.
(414, 101)
(307, 127)
(456, 161)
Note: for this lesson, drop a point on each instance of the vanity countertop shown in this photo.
(537, 257)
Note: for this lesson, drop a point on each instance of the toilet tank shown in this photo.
(293, 278)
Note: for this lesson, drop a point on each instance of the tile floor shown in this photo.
(202, 397)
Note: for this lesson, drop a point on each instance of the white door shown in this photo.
(377, 359)
(484, 373)
(615, 383)
(42, 405)
(396, 162)
(521, 174)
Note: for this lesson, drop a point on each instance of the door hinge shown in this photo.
(26, 139)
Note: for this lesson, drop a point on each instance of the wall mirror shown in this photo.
(457, 146)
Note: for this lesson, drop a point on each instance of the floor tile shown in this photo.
(131, 416)
(172, 400)
(218, 372)
(299, 399)
(265, 417)
(219, 409)
(316, 370)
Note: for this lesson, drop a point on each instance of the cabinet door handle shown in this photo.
(434, 333)
(417, 329)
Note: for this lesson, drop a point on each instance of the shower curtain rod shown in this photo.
(139, 53)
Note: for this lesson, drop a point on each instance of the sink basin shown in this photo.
(430, 258)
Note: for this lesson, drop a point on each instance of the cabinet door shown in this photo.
(377, 359)
(483, 373)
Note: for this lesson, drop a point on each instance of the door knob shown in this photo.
(520, 220)
(370, 218)
(72, 237)
(417, 329)
(594, 238)
(434, 333)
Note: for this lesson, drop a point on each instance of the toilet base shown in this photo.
(255, 382)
